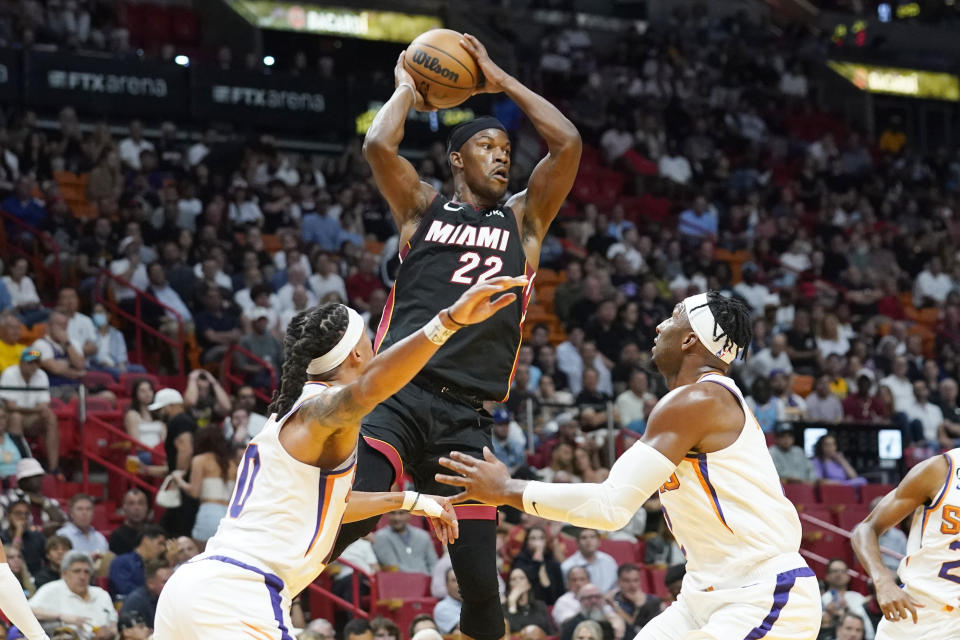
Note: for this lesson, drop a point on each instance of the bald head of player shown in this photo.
(705, 332)
(328, 343)
(479, 156)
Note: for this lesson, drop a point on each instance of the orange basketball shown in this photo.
(444, 72)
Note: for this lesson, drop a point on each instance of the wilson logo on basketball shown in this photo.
(431, 63)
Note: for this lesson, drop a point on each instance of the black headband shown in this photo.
(463, 132)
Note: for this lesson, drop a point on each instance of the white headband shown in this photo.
(708, 330)
(332, 359)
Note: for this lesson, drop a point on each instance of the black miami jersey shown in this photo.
(455, 246)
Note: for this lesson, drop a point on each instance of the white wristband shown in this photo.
(409, 499)
(436, 332)
(413, 89)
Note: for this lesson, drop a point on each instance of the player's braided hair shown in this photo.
(733, 319)
(311, 334)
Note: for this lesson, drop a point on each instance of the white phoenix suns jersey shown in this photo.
(727, 510)
(931, 567)
(284, 515)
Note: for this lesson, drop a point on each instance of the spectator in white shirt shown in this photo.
(79, 531)
(296, 276)
(210, 270)
(29, 411)
(23, 293)
(793, 83)
(766, 361)
(925, 417)
(616, 141)
(133, 145)
(80, 329)
(751, 290)
(243, 208)
(673, 166)
(325, 278)
(932, 285)
(631, 405)
(75, 603)
(162, 291)
(601, 566)
(628, 247)
(129, 268)
(899, 384)
(829, 339)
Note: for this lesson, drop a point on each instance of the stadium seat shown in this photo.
(655, 576)
(95, 379)
(402, 584)
(100, 405)
(800, 494)
(838, 494)
(870, 491)
(851, 515)
(569, 545)
(623, 551)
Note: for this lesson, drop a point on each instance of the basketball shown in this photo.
(444, 72)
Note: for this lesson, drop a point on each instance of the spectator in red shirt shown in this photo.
(364, 282)
(863, 406)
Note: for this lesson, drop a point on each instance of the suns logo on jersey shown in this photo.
(672, 484)
(950, 517)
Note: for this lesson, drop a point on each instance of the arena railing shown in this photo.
(355, 608)
(141, 327)
(230, 378)
(611, 428)
(44, 246)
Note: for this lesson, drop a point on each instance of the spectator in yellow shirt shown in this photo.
(10, 349)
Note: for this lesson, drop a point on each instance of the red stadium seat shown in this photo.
(402, 584)
(851, 515)
(623, 551)
(569, 545)
(838, 494)
(94, 379)
(800, 494)
(656, 584)
(870, 491)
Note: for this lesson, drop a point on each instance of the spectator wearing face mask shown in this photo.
(111, 348)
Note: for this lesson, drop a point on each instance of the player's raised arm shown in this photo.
(919, 487)
(396, 178)
(635, 476)
(392, 369)
(553, 176)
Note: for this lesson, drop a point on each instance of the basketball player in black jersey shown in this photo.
(446, 246)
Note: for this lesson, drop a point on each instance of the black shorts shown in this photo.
(416, 426)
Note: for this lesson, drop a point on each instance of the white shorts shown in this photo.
(219, 598)
(786, 607)
(934, 622)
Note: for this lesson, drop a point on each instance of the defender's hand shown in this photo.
(895, 602)
(492, 76)
(401, 75)
(475, 304)
(482, 480)
(445, 526)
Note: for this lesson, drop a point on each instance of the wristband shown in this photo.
(436, 332)
(411, 87)
(409, 500)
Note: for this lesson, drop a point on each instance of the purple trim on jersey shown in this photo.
(666, 516)
(936, 503)
(781, 594)
(274, 587)
(702, 463)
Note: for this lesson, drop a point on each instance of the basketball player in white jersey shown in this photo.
(928, 605)
(720, 491)
(293, 486)
(14, 604)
